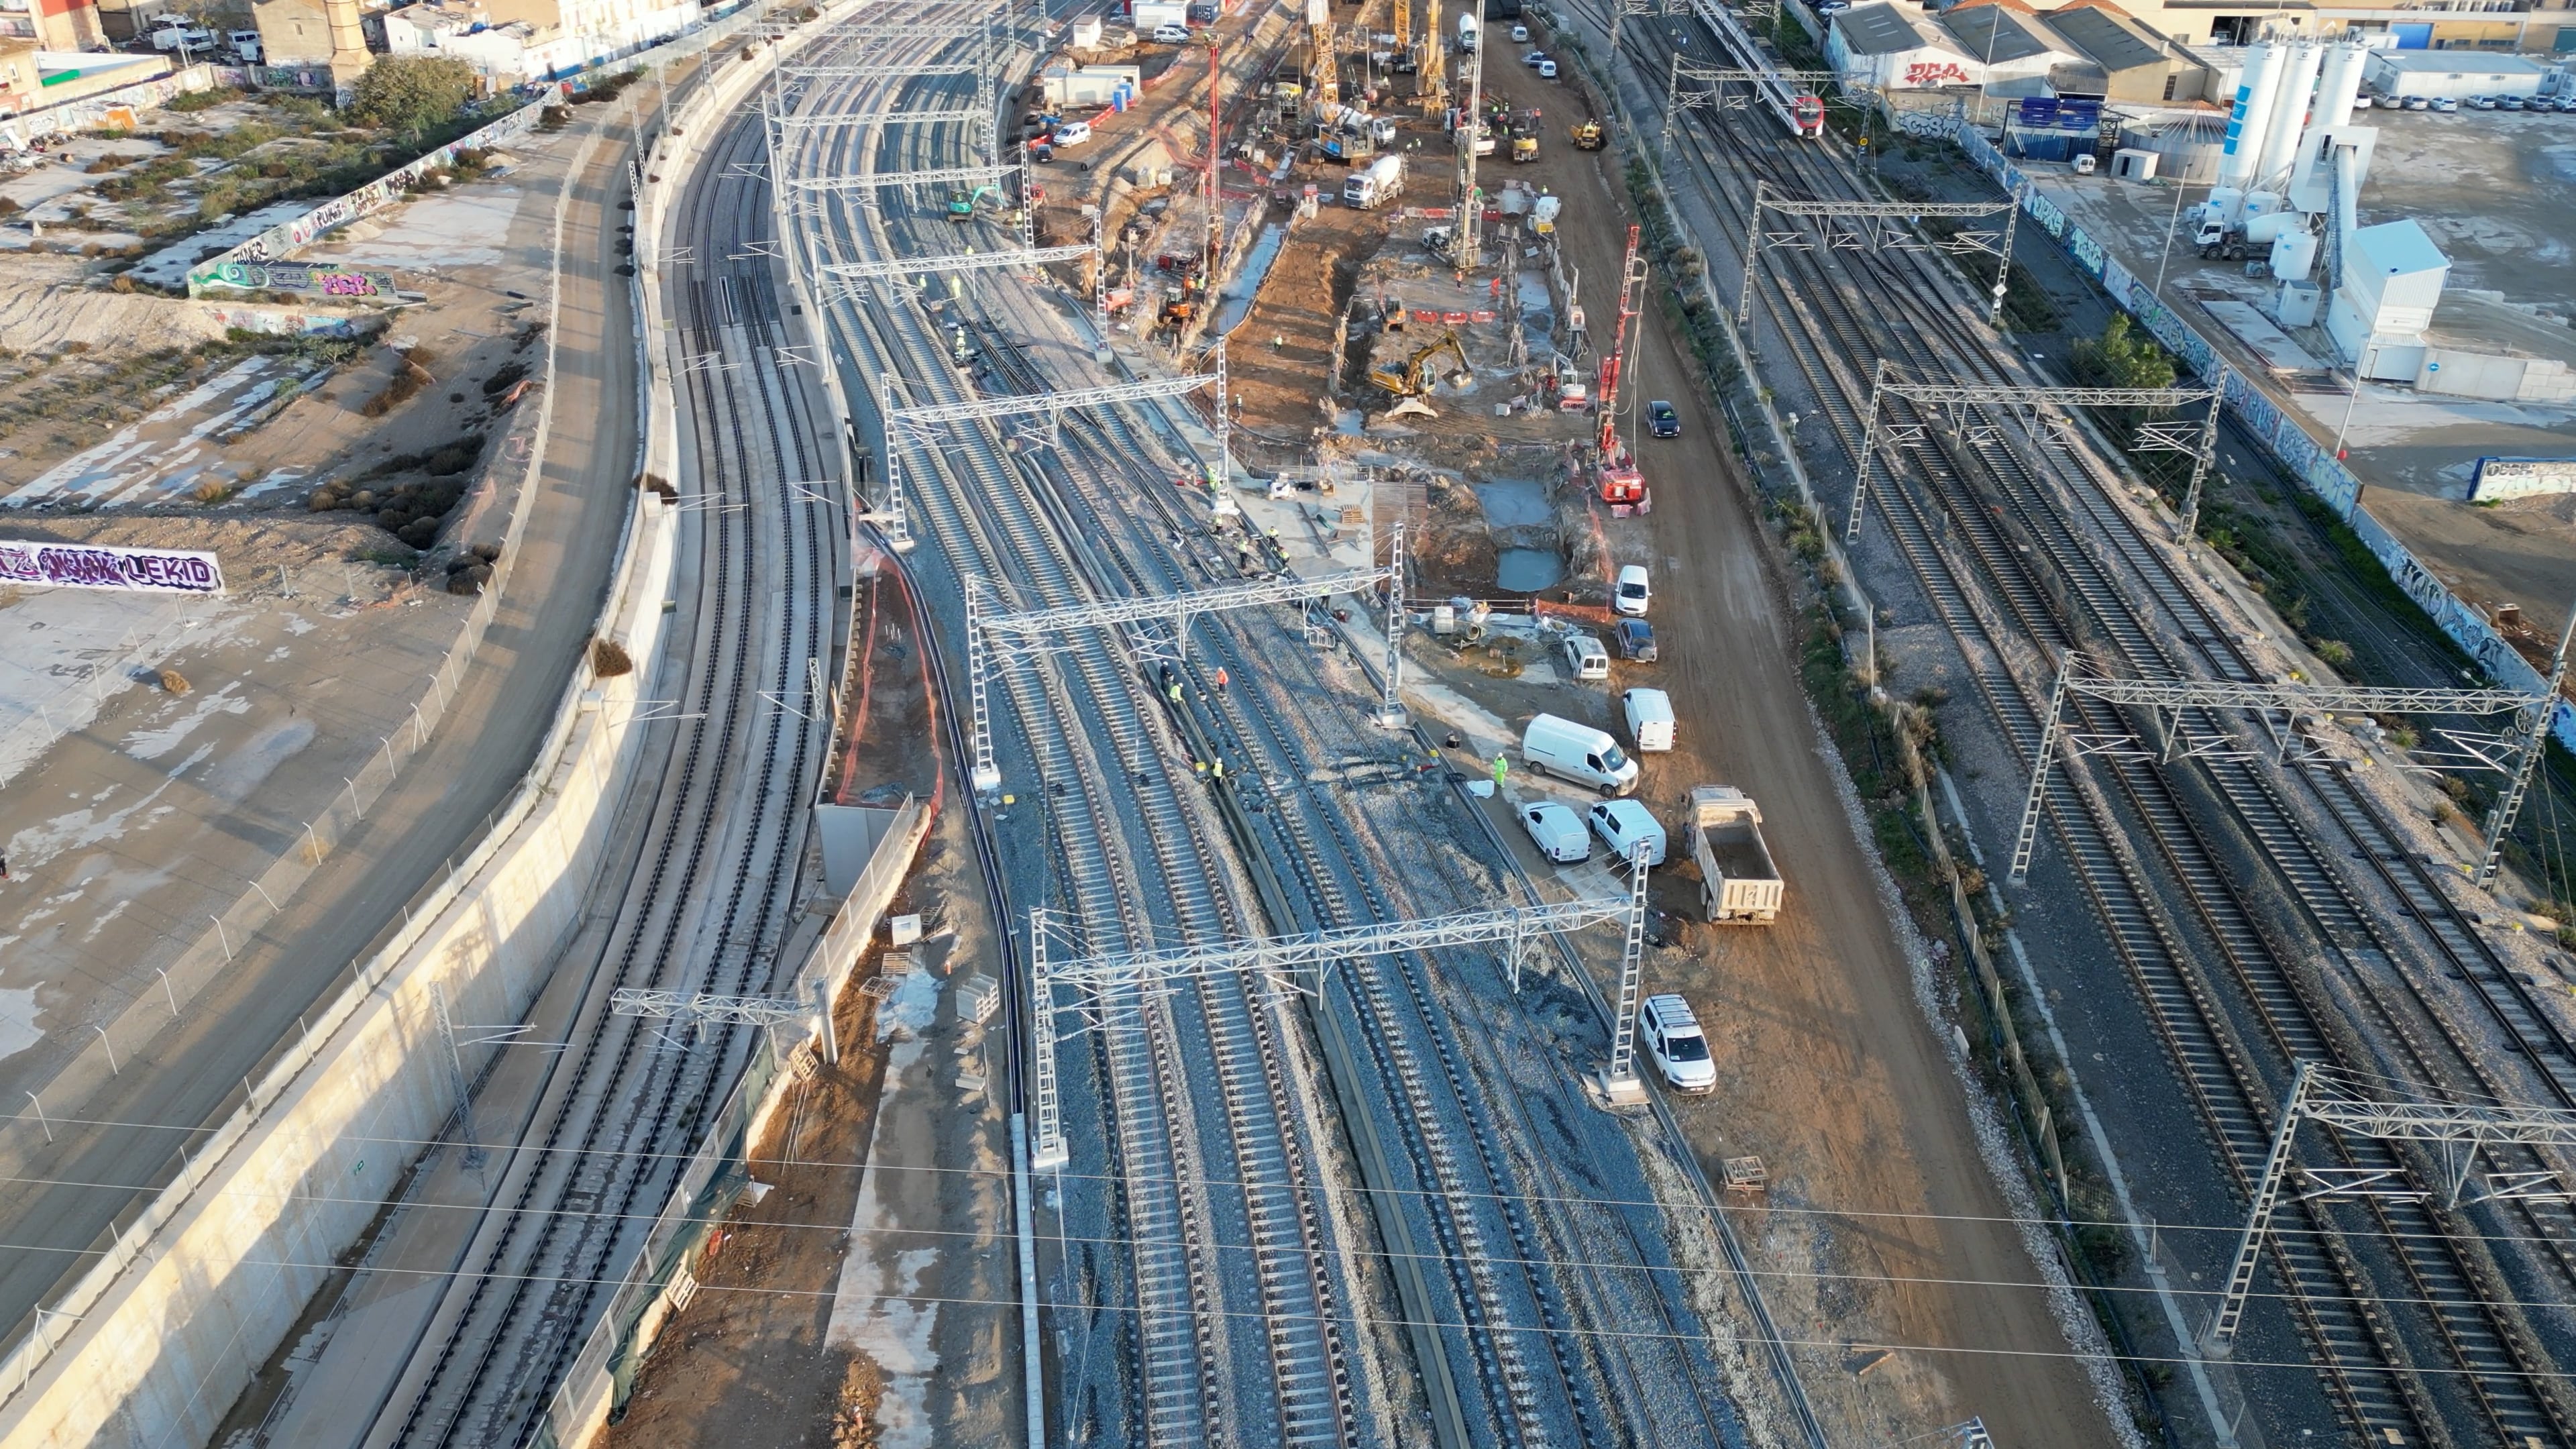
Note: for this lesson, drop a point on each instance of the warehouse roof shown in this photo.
(2098, 33)
(1996, 34)
(1879, 30)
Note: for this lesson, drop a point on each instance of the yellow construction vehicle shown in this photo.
(1411, 383)
(1588, 136)
(1524, 137)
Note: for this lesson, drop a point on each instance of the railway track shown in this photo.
(706, 913)
(2233, 1039)
(1109, 779)
(1548, 1356)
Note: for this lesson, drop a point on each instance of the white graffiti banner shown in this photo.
(99, 566)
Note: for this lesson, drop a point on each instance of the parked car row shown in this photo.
(2562, 105)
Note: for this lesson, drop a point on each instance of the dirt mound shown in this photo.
(44, 303)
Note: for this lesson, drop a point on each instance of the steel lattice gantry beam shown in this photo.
(879, 72)
(1281, 956)
(917, 425)
(697, 1007)
(2170, 697)
(2201, 441)
(2462, 1131)
(871, 180)
(1873, 235)
(1714, 88)
(953, 262)
(1175, 609)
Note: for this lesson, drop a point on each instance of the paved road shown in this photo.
(1831, 1071)
(437, 807)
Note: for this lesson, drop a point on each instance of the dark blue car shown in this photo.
(1662, 421)
(1635, 639)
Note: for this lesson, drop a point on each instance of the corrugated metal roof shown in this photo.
(1878, 30)
(2112, 45)
(1996, 35)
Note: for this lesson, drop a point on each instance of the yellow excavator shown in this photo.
(1588, 136)
(1411, 383)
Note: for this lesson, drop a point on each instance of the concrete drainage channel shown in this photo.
(153, 1344)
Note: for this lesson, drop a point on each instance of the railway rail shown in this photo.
(1977, 526)
(708, 910)
(1547, 1356)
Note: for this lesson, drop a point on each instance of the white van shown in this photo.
(1577, 752)
(1679, 1048)
(1633, 592)
(1650, 719)
(1585, 659)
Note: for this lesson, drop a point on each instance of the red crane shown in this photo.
(1623, 487)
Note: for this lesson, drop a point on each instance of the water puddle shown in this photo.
(1237, 303)
(1527, 570)
(1513, 502)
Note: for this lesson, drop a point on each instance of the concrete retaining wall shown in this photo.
(234, 1250)
(187, 1299)
(130, 1036)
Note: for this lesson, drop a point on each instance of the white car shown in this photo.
(1623, 825)
(1547, 70)
(1072, 133)
(1171, 34)
(1679, 1048)
(1534, 57)
(1633, 592)
(1520, 35)
(1557, 831)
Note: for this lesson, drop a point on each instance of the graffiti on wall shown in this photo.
(281, 240)
(340, 282)
(98, 566)
(1935, 73)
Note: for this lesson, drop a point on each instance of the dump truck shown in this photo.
(1738, 883)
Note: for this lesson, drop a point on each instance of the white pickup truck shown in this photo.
(1738, 883)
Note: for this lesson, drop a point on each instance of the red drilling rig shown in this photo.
(1623, 487)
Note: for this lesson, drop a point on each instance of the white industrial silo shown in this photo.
(2337, 87)
(2289, 110)
(2251, 113)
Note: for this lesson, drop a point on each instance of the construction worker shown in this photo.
(1220, 769)
(1220, 679)
(1176, 694)
(1502, 767)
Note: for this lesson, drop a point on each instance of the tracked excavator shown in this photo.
(1411, 383)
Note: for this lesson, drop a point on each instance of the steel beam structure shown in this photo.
(2535, 745)
(878, 72)
(2170, 697)
(916, 425)
(1873, 235)
(983, 627)
(699, 1008)
(1286, 957)
(1957, 399)
(951, 262)
(871, 180)
(1619, 1077)
(1711, 89)
(2459, 1131)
